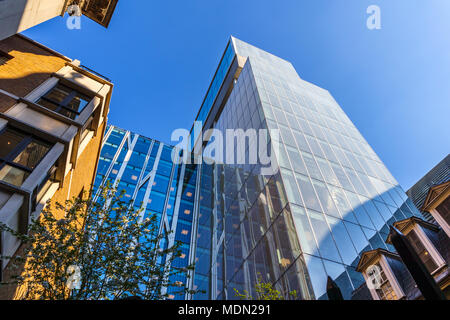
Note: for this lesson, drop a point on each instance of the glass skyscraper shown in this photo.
(329, 200)
(144, 169)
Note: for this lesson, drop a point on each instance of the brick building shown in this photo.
(53, 115)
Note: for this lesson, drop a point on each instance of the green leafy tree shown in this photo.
(264, 291)
(103, 249)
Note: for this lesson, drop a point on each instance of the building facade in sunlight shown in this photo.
(329, 201)
(18, 15)
(53, 116)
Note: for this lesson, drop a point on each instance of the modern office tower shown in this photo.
(327, 201)
(436, 176)
(53, 116)
(331, 200)
(19, 15)
(144, 169)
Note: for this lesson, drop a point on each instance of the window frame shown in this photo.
(66, 101)
(21, 146)
(383, 264)
(382, 294)
(428, 245)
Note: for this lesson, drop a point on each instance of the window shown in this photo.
(20, 153)
(65, 101)
(444, 210)
(423, 253)
(4, 57)
(385, 291)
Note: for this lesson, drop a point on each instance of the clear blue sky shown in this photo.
(393, 83)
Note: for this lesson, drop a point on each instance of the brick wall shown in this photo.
(30, 66)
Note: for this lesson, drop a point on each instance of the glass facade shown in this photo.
(216, 83)
(330, 199)
(144, 169)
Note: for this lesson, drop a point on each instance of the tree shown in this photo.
(101, 249)
(264, 291)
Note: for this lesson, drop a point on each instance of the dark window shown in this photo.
(421, 251)
(65, 100)
(20, 153)
(4, 57)
(444, 210)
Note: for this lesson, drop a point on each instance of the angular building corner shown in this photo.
(53, 116)
(325, 212)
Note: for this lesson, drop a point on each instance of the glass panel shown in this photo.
(281, 118)
(304, 232)
(59, 96)
(357, 235)
(328, 152)
(325, 241)
(384, 210)
(325, 199)
(360, 212)
(296, 160)
(342, 177)
(32, 155)
(288, 138)
(79, 102)
(301, 141)
(343, 241)
(156, 201)
(337, 272)
(58, 93)
(318, 276)
(9, 140)
(373, 213)
(160, 183)
(327, 173)
(359, 188)
(312, 166)
(13, 175)
(315, 146)
(342, 204)
(291, 187)
(309, 196)
(422, 251)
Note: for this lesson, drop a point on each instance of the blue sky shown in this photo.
(393, 83)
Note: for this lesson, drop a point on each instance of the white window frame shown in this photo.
(384, 264)
(435, 255)
(437, 216)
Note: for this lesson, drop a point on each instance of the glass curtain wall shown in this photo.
(331, 200)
